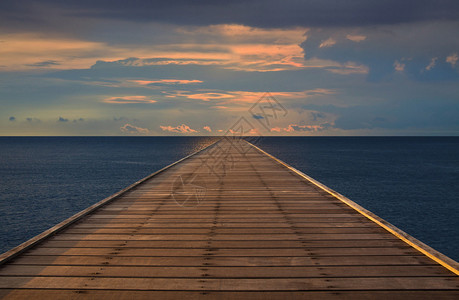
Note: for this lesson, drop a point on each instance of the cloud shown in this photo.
(28, 51)
(179, 129)
(12, 119)
(228, 97)
(240, 57)
(46, 63)
(291, 128)
(398, 66)
(261, 13)
(128, 100)
(452, 59)
(207, 128)
(242, 33)
(356, 38)
(228, 46)
(117, 119)
(219, 69)
(347, 68)
(252, 131)
(317, 115)
(207, 96)
(327, 43)
(165, 81)
(29, 119)
(385, 44)
(61, 119)
(131, 129)
(313, 128)
(432, 63)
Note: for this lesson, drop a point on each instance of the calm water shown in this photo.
(411, 182)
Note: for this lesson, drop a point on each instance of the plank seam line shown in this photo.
(234, 277)
(214, 291)
(223, 266)
(7, 256)
(428, 251)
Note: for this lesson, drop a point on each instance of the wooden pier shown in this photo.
(228, 222)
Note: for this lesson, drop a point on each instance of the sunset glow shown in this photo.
(128, 71)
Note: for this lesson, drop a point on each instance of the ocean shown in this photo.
(411, 182)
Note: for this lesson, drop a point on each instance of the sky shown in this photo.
(213, 67)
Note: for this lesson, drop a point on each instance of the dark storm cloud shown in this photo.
(261, 13)
(12, 119)
(61, 119)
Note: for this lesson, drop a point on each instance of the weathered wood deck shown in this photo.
(242, 226)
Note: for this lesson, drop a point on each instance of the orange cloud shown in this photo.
(432, 64)
(252, 131)
(226, 97)
(179, 129)
(243, 33)
(131, 129)
(232, 46)
(356, 38)
(165, 81)
(229, 46)
(276, 129)
(207, 128)
(452, 59)
(26, 51)
(398, 66)
(327, 43)
(128, 100)
(262, 57)
(208, 96)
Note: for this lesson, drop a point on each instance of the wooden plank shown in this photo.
(123, 251)
(226, 272)
(226, 295)
(222, 230)
(92, 225)
(265, 284)
(148, 220)
(116, 260)
(222, 237)
(225, 244)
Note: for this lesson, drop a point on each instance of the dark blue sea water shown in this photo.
(412, 182)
